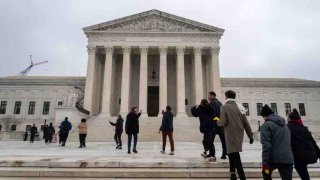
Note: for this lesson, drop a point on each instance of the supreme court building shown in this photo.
(150, 60)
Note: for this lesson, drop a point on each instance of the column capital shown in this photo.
(215, 50)
(126, 49)
(91, 49)
(144, 50)
(180, 50)
(197, 50)
(109, 49)
(163, 50)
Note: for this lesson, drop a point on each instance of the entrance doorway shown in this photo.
(153, 100)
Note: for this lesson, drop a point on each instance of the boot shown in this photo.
(233, 176)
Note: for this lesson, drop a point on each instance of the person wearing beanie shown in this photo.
(234, 121)
(304, 148)
(276, 145)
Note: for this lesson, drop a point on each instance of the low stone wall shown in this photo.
(17, 136)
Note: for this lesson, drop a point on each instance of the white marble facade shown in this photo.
(131, 57)
(150, 60)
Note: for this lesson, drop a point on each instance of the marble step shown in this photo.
(134, 172)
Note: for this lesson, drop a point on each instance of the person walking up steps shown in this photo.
(132, 128)
(234, 121)
(204, 112)
(276, 145)
(215, 104)
(33, 132)
(83, 131)
(304, 148)
(167, 130)
(118, 131)
(65, 127)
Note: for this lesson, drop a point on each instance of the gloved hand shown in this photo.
(266, 168)
(216, 119)
(251, 141)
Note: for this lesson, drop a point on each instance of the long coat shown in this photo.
(304, 147)
(234, 124)
(132, 123)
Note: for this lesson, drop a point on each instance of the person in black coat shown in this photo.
(167, 130)
(132, 128)
(304, 148)
(118, 131)
(33, 132)
(204, 112)
(215, 105)
(65, 127)
(49, 132)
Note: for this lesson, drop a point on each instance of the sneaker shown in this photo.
(223, 157)
(117, 146)
(172, 153)
(120, 147)
(204, 154)
(135, 151)
(212, 159)
(162, 152)
(129, 152)
(233, 177)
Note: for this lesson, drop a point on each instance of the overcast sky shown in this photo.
(262, 38)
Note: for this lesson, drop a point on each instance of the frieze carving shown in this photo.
(153, 23)
(91, 50)
(181, 37)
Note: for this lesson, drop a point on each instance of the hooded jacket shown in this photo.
(304, 147)
(276, 141)
(204, 113)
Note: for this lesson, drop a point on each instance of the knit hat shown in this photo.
(294, 115)
(266, 111)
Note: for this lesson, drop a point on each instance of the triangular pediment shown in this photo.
(154, 21)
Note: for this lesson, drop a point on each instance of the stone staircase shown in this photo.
(99, 129)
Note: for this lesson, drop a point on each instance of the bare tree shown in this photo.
(8, 121)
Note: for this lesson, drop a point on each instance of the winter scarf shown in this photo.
(240, 107)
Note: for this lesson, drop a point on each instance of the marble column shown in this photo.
(143, 85)
(181, 109)
(107, 82)
(215, 71)
(125, 82)
(163, 80)
(198, 79)
(90, 79)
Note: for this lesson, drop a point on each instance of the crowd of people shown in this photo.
(284, 145)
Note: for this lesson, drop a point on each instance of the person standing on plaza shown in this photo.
(304, 148)
(118, 131)
(83, 130)
(65, 127)
(167, 130)
(215, 104)
(276, 145)
(204, 112)
(132, 128)
(234, 121)
(33, 132)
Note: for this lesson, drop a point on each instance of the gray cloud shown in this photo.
(262, 38)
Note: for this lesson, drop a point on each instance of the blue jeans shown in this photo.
(135, 140)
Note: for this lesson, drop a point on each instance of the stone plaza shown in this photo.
(102, 160)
